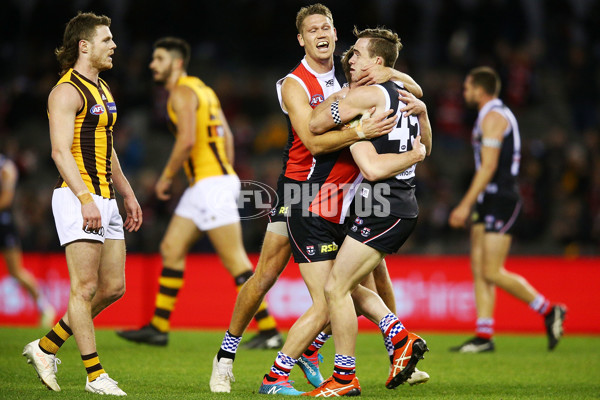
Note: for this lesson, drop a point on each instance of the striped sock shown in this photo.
(54, 339)
(389, 346)
(170, 282)
(281, 368)
(317, 344)
(229, 346)
(485, 328)
(391, 327)
(540, 304)
(92, 366)
(344, 369)
(265, 322)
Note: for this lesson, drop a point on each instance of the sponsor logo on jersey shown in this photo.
(364, 192)
(354, 228)
(112, 107)
(328, 247)
(365, 231)
(358, 221)
(103, 96)
(97, 109)
(316, 100)
(310, 250)
(329, 83)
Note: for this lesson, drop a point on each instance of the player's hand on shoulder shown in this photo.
(380, 124)
(413, 106)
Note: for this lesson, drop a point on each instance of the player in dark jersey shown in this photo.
(385, 219)
(10, 244)
(494, 193)
(82, 113)
(318, 40)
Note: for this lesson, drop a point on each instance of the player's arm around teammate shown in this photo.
(299, 111)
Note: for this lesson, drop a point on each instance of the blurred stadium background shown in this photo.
(547, 53)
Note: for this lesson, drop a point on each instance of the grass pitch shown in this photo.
(521, 368)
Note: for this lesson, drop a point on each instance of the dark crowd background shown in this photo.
(547, 53)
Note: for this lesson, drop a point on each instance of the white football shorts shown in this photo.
(69, 221)
(211, 202)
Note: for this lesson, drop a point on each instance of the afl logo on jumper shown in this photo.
(97, 109)
(316, 100)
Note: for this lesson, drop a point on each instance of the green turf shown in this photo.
(521, 368)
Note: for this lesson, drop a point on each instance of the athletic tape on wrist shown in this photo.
(85, 198)
(359, 131)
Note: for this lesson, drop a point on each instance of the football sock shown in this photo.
(540, 304)
(92, 366)
(281, 368)
(391, 327)
(229, 346)
(170, 281)
(344, 369)
(50, 343)
(389, 346)
(317, 344)
(265, 322)
(484, 328)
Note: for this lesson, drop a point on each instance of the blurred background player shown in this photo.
(82, 114)
(204, 148)
(494, 192)
(10, 244)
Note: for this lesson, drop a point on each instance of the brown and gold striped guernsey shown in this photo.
(208, 157)
(93, 140)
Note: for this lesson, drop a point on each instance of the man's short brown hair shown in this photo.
(313, 9)
(487, 79)
(383, 43)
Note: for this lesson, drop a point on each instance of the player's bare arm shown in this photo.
(376, 73)
(8, 182)
(493, 127)
(417, 107)
(134, 218)
(357, 102)
(295, 103)
(63, 104)
(375, 167)
(185, 104)
(229, 140)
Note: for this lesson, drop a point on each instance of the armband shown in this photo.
(335, 112)
(489, 142)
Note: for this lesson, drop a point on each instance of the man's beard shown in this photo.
(162, 78)
(98, 64)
